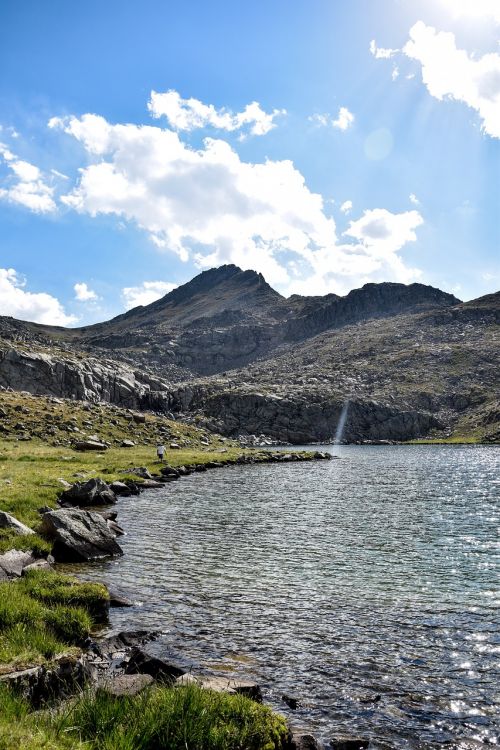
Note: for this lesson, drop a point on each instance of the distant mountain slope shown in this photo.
(411, 360)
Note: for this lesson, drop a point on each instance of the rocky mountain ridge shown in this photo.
(228, 349)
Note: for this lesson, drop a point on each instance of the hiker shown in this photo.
(160, 452)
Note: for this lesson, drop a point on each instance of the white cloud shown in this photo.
(451, 73)
(346, 207)
(414, 199)
(38, 307)
(320, 119)
(83, 293)
(381, 52)
(344, 119)
(384, 232)
(395, 73)
(207, 205)
(25, 186)
(189, 114)
(147, 292)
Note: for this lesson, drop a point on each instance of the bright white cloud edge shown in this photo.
(83, 293)
(190, 114)
(145, 293)
(209, 206)
(39, 307)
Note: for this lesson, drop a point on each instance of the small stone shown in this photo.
(127, 684)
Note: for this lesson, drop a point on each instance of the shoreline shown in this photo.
(31, 674)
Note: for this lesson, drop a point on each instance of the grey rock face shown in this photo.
(93, 492)
(13, 562)
(9, 522)
(79, 536)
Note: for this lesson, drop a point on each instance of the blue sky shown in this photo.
(324, 143)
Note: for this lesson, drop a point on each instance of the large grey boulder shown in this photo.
(93, 492)
(90, 445)
(9, 522)
(79, 535)
(13, 562)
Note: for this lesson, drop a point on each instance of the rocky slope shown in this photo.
(411, 361)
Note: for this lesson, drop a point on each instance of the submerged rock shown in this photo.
(349, 743)
(79, 535)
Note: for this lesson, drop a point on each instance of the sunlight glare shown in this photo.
(484, 9)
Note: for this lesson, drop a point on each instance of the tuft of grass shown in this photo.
(32, 542)
(56, 588)
(171, 719)
(42, 614)
(21, 731)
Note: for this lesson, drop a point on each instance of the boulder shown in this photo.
(139, 471)
(223, 685)
(79, 535)
(93, 492)
(117, 599)
(13, 562)
(122, 489)
(299, 741)
(151, 484)
(155, 662)
(9, 522)
(37, 565)
(114, 527)
(127, 444)
(89, 445)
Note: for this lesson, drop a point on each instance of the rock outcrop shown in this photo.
(79, 536)
(229, 350)
(93, 492)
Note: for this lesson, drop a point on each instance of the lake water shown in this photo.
(363, 586)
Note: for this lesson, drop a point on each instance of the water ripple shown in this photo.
(337, 582)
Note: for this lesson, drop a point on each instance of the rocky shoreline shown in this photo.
(127, 662)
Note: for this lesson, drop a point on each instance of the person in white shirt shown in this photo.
(160, 452)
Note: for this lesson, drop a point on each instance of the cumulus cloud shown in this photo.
(384, 232)
(147, 292)
(343, 121)
(83, 293)
(189, 114)
(346, 207)
(207, 205)
(414, 199)
(381, 52)
(452, 73)
(25, 185)
(38, 307)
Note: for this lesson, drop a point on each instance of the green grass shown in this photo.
(42, 614)
(172, 719)
(161, 718)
